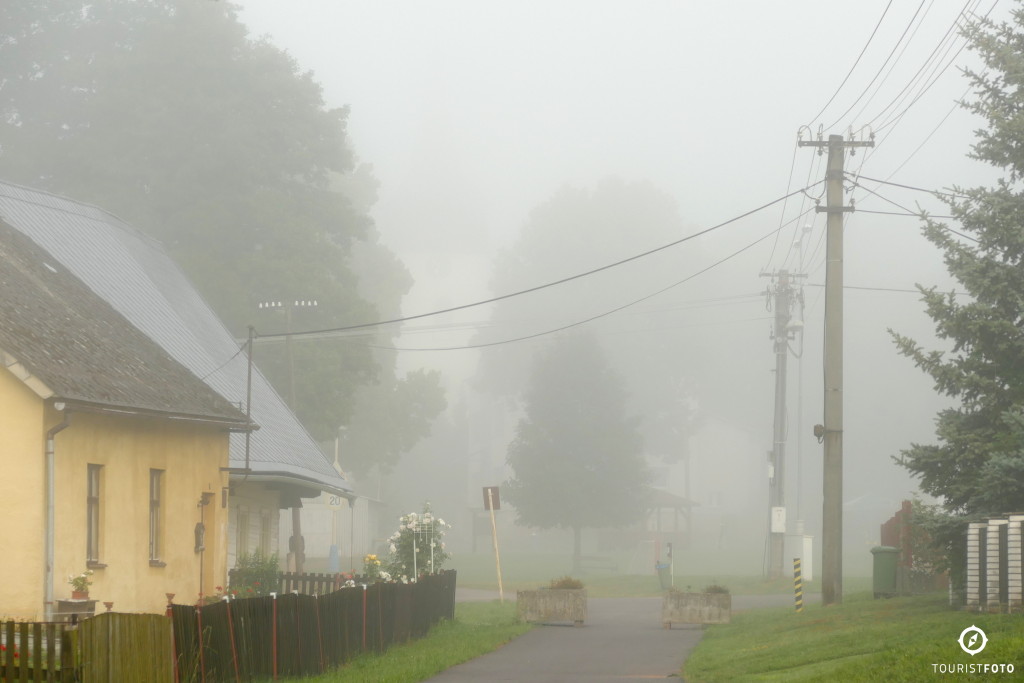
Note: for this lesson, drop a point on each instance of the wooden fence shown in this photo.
(995, 565)
(248, 639)
(300, 635)
(36, 652)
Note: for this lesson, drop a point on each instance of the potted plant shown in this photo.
(565, 599)
(80, 585)
(712, 606)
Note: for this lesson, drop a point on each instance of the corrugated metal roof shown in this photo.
(133, 273)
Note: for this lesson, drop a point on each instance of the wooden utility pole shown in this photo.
(832, 479)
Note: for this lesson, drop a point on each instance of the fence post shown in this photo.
(319, 632)
(231, 635)
(273, 634)
(364, 617)
(1015, 593)
(974, 578)
(202, 661)
(798, 585)
(993, 585)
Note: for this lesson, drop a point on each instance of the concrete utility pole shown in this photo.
(832, 430)
(784, 296)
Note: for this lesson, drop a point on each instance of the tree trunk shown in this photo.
(577, 544)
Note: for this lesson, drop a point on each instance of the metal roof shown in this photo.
(134, 274)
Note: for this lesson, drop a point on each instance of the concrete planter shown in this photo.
(695, 608)
(549, 605)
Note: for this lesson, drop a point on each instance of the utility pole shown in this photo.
(832, 430)
(296, 543)
(784, 294)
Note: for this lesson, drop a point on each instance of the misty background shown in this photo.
(475, 114)
(482, 149)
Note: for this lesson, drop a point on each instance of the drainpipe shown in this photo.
(50, 494)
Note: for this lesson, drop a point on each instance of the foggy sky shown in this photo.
(472, 113)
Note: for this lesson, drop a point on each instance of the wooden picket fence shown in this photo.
(36, 652)
(108, 647)
(250, 639)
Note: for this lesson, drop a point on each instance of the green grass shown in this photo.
(861, 640)
(478, 628)
(524, 571)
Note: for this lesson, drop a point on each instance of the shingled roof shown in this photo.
(134, 274)
(82, 350)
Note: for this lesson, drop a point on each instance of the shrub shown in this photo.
(255, 574)
(715, 588)
(566, 582)
(417, 543)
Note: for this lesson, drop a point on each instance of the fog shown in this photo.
(473, 114)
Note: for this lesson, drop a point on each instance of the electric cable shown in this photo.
(548, 284)
(855, 63)
(882, 68)
(585, 320)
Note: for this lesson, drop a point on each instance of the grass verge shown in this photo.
(527, 571)
(478, 628)
(861, 640)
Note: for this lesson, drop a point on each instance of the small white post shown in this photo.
(494, 536)
(974, 577)
(993, 586)
(1014, 562)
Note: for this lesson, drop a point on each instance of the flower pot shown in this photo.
(553, 605)
(79, 595)
(695, 608)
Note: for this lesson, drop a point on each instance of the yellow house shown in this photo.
(114, 456)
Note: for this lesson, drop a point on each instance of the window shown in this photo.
(242, 533)
(265, 533)
(92, 548)
(155, 498)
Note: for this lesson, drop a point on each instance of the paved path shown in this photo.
(623, 640)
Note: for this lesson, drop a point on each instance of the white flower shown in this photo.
(441, 522)
(392, 548)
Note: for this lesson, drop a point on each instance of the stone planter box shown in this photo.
(550, 605)
(695, 608)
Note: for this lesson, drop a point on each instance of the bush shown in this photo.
(566, 582)
(715, 588)
(425, 533)
(254, 574)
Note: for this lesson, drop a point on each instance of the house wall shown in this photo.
(253, 524)
(128, 448)
(21, 486)
(191, 457)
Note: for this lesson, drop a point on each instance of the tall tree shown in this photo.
(578, 229)
(577, 458)
(976, 468)
(168, 114)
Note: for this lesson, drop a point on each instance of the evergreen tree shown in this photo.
(577, 458)
(976, 468)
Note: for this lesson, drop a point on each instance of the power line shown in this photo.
(549, 284)
(882, 68)
(855, 63)
(911, 187)
(591, 318)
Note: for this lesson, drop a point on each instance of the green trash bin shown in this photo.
(664, 575)
(886, 559)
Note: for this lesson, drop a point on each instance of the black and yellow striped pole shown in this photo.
(798, 585)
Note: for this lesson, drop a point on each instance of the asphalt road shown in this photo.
(622, 640)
